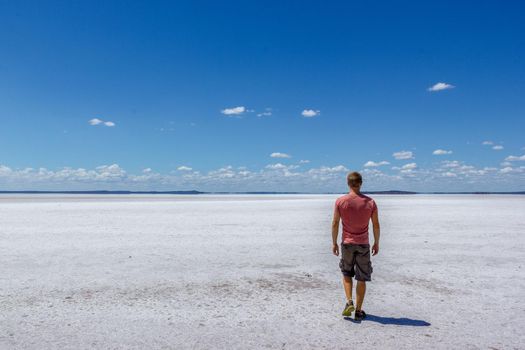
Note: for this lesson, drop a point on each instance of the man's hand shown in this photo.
(335, 249)
(375, 249)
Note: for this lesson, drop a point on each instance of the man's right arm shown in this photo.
(377, 232)
(335, 230)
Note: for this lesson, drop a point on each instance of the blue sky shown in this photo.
(199, 95)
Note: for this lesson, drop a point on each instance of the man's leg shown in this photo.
(347, 283)
(363, 272)
(347, 268)
(360, 294)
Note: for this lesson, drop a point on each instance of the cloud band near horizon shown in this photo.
(444, 176)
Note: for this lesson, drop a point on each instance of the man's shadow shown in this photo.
(402, 321)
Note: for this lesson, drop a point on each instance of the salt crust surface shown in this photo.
(239, 272)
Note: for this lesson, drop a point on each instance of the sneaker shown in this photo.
(359, 315)
(349, 308)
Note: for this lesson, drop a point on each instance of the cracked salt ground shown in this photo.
(256, 272)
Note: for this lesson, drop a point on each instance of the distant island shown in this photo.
(195, 192)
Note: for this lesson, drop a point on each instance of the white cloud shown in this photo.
(451, 163)
(466, 167)
(184, 168)
(325, 170)
(440, 152)
(510, 170)
(111, 171)
(280, 155)
(267, 112)
(373, 172)
(226, 172)
(449, 174)
(234, 110)
(409, 166)
(309, 113)
(279, 170)
(487, 143)
(371, 163)
(97, 121)
(304, 161)
(337, 168)
(403, 155)
(5, 170)
(407, 169)
(497, 147)
(106, 173)
(276, 166)
(147, 170)
(515, 158)
(440, 87)
(465, 171)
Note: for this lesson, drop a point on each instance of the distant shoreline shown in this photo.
(194, 192)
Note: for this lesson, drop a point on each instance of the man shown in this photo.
(355, 210)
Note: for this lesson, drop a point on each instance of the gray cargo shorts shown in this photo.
(355, 261)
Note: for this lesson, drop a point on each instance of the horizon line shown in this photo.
(196, 192)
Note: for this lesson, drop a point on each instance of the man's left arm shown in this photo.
(377, 231)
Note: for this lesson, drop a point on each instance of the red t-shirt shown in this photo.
(355, 211)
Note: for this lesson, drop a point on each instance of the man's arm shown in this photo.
(335, 231)
(377, 232)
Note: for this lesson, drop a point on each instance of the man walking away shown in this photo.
(355, 210)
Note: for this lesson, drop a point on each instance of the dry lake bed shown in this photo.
(242, 272)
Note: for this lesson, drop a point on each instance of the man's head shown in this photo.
(354, 180)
